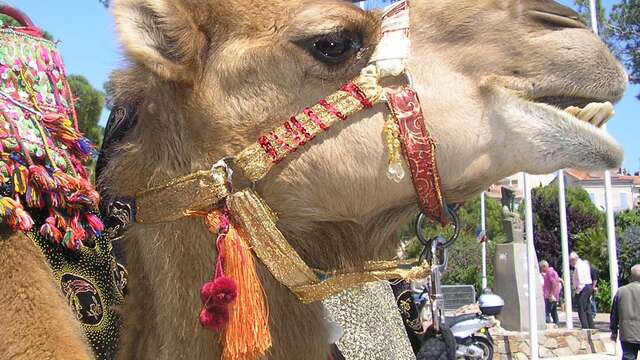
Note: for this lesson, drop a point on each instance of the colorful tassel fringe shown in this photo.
(248, 336)
(234, 301)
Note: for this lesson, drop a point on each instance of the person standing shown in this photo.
(583, 285)
(551, 289)
(625, 316)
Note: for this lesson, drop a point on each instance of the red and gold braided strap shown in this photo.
(175, 199)
(271, 148)
(419, 149)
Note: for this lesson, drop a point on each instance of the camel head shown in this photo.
(493, 77)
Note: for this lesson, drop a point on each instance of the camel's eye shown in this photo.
(333, 48)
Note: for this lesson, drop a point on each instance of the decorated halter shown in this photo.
(244, 225)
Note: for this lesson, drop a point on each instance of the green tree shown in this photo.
(584, 221)
(628, 251)
(626, 219)
(624, 30)
(465, 261)
(89, 105)
(585, 14)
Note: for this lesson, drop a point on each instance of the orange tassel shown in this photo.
(247, 337)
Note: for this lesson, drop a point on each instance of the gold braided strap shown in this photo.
(255, 218)
(202, 189)
(258, 222)
(173, 200)
(372, 271)
(363, 92)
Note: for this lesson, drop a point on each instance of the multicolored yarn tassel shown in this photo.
(63, 129)
(13, 212)
(247, 335)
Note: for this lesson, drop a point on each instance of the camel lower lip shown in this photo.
(594, 113)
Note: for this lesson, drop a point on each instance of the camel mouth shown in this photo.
(592, 111)
(565, 130)
(577, 123)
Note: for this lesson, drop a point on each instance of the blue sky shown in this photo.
(89, 48)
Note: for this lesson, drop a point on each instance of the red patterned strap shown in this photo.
(420, 150)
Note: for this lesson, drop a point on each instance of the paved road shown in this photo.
(602, 324)
(601, 321)
(587, 357)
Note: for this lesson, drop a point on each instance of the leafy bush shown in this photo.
(628, 251)
(583, 222)
(603, 296)
(628, 218)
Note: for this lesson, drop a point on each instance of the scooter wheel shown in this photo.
(485, 345)
(437, 346)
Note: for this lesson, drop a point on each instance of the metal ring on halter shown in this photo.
(408, 77)
(422, 219)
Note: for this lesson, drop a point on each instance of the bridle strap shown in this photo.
(202, 189)
(419, 149)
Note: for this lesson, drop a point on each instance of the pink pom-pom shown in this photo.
(214, 318)
(221, 291)
(23, 220)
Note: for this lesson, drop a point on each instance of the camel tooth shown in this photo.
(573, 110)
(596, 114)
(589, 112)
(606, 113)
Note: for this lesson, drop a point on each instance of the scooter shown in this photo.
(471, 331)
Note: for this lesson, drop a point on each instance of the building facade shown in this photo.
(625, 188)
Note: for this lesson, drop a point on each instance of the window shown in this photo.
(624, 202)
(592, 196)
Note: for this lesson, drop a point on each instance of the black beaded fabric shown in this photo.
(92, 283)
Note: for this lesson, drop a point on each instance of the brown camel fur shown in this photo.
(35, 320)
(210, 76)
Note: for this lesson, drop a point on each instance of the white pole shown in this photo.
(483, 228)
(532, 268)
(608, 197)
(564, 240)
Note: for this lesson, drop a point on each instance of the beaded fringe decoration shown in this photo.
(41, 148)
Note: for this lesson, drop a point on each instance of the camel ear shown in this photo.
(162, 35)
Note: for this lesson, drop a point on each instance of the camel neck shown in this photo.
(347, 244)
